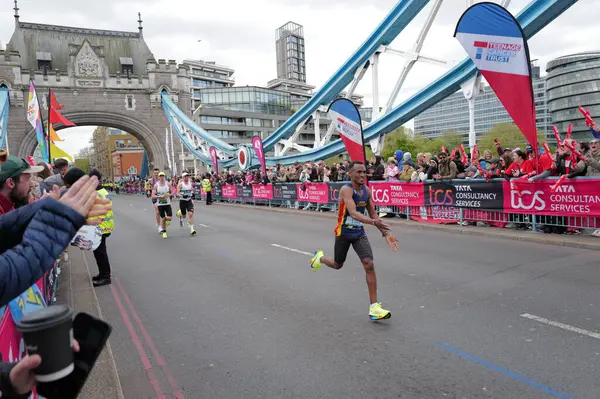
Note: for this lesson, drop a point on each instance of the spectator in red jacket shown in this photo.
(520, 166)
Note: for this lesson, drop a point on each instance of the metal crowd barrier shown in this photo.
(284, 195)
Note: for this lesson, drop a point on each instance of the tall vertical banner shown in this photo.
(215, 160)
(34, 117)
(495, 42)
(260, 153)
(346, 118)
(168, 148)
(4, 108)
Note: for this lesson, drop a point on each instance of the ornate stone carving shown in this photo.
(87, 62)
(89, 83)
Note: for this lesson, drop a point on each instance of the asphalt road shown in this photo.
(226, 314)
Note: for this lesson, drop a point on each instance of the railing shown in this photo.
(575, 204)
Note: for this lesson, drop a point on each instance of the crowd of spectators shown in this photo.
(38, 220)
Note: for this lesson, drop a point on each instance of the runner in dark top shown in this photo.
(355, 199)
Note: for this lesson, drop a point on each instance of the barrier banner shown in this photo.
(244, 193)
(397, 194)
(285, 191)
(437, 214)
(229, 191)
(216, 192)
(334, 191)
(571, 198)
(262, 191)
(315, 192)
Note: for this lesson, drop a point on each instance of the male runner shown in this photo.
(162, 193)
(152, 182)
(185, 189)
(355, 198)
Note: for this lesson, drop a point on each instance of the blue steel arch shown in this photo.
(532, 18)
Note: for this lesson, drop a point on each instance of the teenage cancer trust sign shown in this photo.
(494, 41)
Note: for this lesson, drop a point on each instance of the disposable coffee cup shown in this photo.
(48, 332)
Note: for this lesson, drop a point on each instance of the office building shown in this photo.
(289, 45)
(452, 113)
(116, 154)
(236, 114)
(573, 81)
(207, 74)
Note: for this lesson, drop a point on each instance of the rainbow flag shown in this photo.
(34, 117)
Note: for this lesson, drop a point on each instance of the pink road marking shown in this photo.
(138, 345)
(159, 359)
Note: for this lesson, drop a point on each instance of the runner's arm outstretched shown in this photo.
(346, 196)
(384, 228)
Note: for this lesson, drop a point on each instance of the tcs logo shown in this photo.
(380, 195)
(527, 201)
(440, 196)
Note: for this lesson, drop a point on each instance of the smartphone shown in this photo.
(91, 334)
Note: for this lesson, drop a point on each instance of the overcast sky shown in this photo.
(241, 35)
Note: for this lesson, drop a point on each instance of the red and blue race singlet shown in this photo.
(346, 225)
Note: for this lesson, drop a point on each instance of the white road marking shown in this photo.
(203, 225)
(291, 249)
(566, 327)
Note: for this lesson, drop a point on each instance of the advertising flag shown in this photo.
(260, 153)
(346, 118)
(215, 161)
(35, 119)
(495, 42)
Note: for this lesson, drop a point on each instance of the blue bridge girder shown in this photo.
(533, 18)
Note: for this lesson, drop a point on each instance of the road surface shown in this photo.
(235, 312)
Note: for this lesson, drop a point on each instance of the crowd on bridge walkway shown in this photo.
(41, 212)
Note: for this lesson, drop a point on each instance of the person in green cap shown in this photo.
(15, 183)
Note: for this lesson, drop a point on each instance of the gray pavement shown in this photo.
(226, 314)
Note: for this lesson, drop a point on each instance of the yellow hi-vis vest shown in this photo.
(206, 186)
(108, 224)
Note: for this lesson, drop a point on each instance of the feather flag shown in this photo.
(495, 42)
(54, 102)
(34, 117)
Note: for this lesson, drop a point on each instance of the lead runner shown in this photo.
(355, 198)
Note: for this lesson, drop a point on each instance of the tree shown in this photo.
(508, 135)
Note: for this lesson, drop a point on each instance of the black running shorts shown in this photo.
(154, 201)
(361, 246)
(165, 210)
(186, 206)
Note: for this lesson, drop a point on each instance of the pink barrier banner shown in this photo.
(397, 194)
(229, 191)
(315, 192)
(262, 191)
(571, 198)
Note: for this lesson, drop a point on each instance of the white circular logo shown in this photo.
(243, 157)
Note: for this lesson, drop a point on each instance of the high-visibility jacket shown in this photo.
(108, 224)
(206, 185)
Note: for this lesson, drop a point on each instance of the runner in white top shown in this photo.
(185, 188)
(162, 193)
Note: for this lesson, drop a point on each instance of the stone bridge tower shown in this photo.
(103, 78)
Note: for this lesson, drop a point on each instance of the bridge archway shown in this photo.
(131, 125)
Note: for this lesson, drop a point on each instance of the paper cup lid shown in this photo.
(88, 238)
(43, 318)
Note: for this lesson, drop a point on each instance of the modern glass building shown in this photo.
(573, 81)
(452, 113)
(207, 74)
(289, 46)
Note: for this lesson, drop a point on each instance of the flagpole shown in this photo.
(49, 104)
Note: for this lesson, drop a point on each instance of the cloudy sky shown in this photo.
(241, 34)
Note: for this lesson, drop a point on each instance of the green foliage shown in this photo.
(508, 135)
(83, 164)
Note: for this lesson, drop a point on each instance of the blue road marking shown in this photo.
(500, 370)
